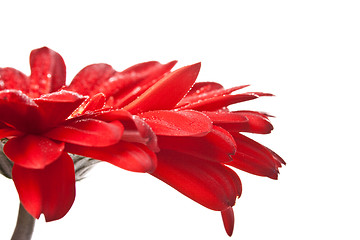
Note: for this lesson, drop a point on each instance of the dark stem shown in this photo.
(24, 225)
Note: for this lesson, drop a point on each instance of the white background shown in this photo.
(305, 52)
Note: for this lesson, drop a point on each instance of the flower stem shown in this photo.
(24, 225)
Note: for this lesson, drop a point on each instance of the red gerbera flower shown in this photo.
(43, 123)
(197, 134)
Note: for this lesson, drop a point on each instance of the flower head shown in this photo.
(198, 136)
(43, 123)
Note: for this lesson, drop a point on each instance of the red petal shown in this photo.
(48, 71)
(203, 87)
(90, 78)
(134, 157)
(11, 78)
(201, 95)
(276, 157)
(91, 104)
(253, 165)
(142, 76)
(32, 151)
(178, 123)
(218, 102)
(216, 146)
(210, 184)
(226, 117)
(257, 123)
(228, 220)
(55, 107)
(141, 134)
(254, 158)
(241, 121)
(18, 110)
(167, 92)
(6, 131)
(135, 129)
(50, 190)
(151, 69)
(88, 132)
(135, 77)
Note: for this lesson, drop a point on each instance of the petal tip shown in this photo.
(228, 220)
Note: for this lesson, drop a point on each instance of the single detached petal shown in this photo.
(167, 92)
(11, 78)
(228, 220)
(210, 184)
(216, 146)
(50, 191)
(134, 157)
(33, 151)
(178, 123)
(88, 132)
(48, 71)
(90, 78)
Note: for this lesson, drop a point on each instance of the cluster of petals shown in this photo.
(43, 123)
(146, 118)
(197, 135)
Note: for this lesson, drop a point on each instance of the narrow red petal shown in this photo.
(277, 157)
(241, 121)
(134, 157)
(254, 157)
(216, 146)
(88, 132)
(208, 183)
(90, 78)
(253, 165)
(201, 95)
(50, 191)
(203, 87)
(48, 71)
(226, 117)
(32, 151)
(228, 220)
(257, 123)
(178, 123)
(151, 68)
(172, 87)
(11, 78)
(219, 102)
